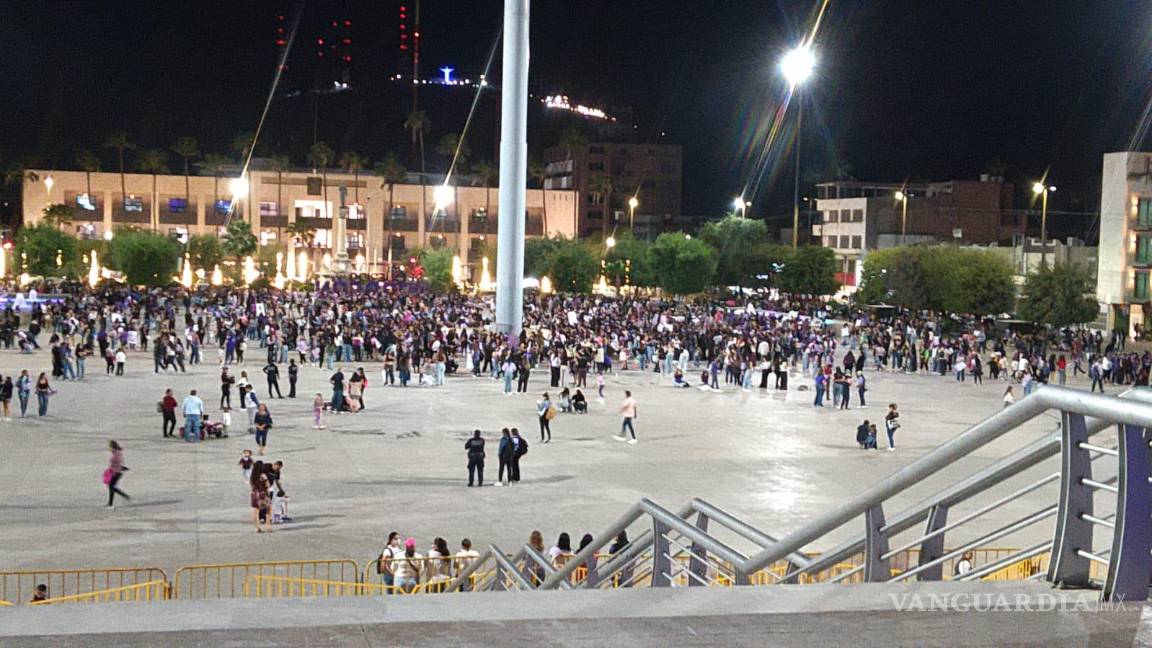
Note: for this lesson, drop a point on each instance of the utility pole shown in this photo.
(513, 171)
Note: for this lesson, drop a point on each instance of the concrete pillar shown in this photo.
(513, 169)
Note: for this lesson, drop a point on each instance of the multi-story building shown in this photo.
(1125, 261)
(399, 218)
(859, 216)
(607, 175)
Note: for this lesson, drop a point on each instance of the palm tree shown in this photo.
(302, 230)
(418, 123)
(57, 215)
(571, 139)
(453, 149)
(391, 172)
(216, 164)
(604, 186)
(487, 173)
(187, 148)
(90, 163)
(152, 161)
(238, 239)
(354, 163)
(538, 171)
(121, 142)
(279, 164)
(242, 146)
(320, 155)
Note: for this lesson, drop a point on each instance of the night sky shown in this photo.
(924, 89)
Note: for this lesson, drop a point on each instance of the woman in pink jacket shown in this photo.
(114, 472)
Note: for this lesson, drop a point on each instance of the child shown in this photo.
(280, 508)
(226, 421)
(246, 465)
(317, 411)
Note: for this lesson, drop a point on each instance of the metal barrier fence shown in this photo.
(19, 586)
(226, 580)
(151, 591)
(257, 586)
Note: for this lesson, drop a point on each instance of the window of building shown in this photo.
(177, 205)
(596, 149)
(850, 266)
(399, 211)
(595, 214)
(830, 241)
(322, 238)
(1144, 214)
(844, 241)
(857, 215)
(595, 166)
(856, 242)
(354, 240)
(438, 241)
(223, 206)
(595, 198)
(310, 209)
(133, 204)
(267, 236)
(397, 242)
(269, 208)
(1140, 291)
(356, 211)
(831, 216)
(1144, 249)
(480, 215)
(845, 215)
(85, 202)
(315, 186)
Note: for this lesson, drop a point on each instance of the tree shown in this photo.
(354, 163)
(279, 164)
(152, 161)
(40, 245)
(1059, 296)
(187, 148)
(239, 241)
(537, 254)
(418, 124)
(320, 155)
(57, 215)
(604, 185)
(390, 172)
(89, 162)
(683, 265)
(810, 270)
(630, 261)
(205, 251)
(121, 142)
(453, 150)
(488, 175)
(437, 266)
(301, 230)
(938, 278)
(571, 265)
(742, 249)
(145, 258)
(216, 163)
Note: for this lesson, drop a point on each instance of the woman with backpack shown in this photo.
(546, 412)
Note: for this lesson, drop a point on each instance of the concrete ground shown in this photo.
(770, 458)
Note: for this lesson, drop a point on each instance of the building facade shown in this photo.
(1125, 262)
(381, 217)
(855, 217)
(606, 176)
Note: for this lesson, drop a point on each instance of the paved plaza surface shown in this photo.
(770, 458)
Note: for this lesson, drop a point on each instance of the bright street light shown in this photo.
(238, 186)
(1039, 188)
(903, 199)
(442, 196)
(610, 241)
(797, 65)
(633, 203)
(1042, 190)
(48, 182)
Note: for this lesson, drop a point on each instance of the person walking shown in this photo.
(167, 407)
(293, 374)
(1009, 396)
(226, 382)
(263, 424)
(545, 412)
(6, 389)
(505, 452)
(43, 392)
(114, 472)
(475, 449)
(193, 410)
(891, 424)
(259, 498)
(273, 374)
(23, 390)
(861, 387)
(628, 411)
(337, 382)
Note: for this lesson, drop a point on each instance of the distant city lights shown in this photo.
(560, 102)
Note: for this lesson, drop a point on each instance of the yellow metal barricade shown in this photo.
(140, 592)
(6, 604)
(21, 585)
(257, 586)
(227, 580)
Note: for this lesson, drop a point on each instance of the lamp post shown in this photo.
(796, 66)
(633, 203)
(903, 198)
(1043, 190)
(741, 205)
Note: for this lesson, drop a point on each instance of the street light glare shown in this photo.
(442, 195)
(797, 65)
(1037, 188)
(238, 186)
(610, 241)
(900, 195)
(632, 202)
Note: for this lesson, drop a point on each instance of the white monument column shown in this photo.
(513, 170)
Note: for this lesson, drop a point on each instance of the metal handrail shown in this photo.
(992, 568)
(509, 567)
(1103, 407)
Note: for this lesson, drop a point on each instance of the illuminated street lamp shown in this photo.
(741, 205)
(797, 66)
(442, 197)
(903, 199)
(1042, 190)
(633, 203)
(48, 182)
(610, 242)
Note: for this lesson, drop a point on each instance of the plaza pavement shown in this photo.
(770, 458)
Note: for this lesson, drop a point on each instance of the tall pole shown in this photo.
(513, 171)
(904, 221)
(1044, 228)
(796, 185)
